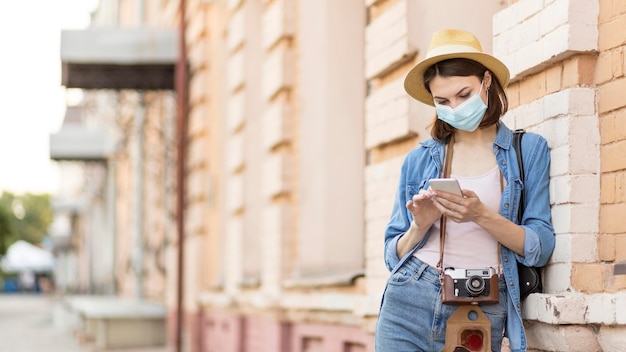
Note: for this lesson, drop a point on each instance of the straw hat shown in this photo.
(451, 44)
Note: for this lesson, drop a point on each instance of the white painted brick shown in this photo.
(620, 308)
(235, 112)
(277, 72)
(385, 25)
(236, 31)
(600, 309)
(527, 57)
(507, 43)
(583, 37)
(388, 40)
(612, 338)
(528, 32)
(277, 22)
(564, 309)
(557, 277)
(553, 45)
(233, 254)
(556, 104)
(235, 70)
(574, 101)
(544, 32)
(235, 195)
(553, 16)
(561, 218)
(584, 248)
(584, 152)
(383, 59)
(198, 147)
(198, 87)
(274, 178)
(513, 117)
(525, 9)
(562, 249)
(572, 338)
(584, 12)
(575, 189)
(559, 160)
(554, 130)
(274, 229)
(503, 21)
(390, 114)
(578, 218)
(275, 126)
(234, 152)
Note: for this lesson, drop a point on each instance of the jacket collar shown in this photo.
(504, 138)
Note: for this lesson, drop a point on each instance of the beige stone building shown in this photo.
(295, 125)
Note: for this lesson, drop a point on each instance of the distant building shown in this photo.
(297, 123)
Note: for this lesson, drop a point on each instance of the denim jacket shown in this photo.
(425, 162)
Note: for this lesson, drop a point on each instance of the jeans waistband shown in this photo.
(415, 264)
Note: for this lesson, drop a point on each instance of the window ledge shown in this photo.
(337, 279)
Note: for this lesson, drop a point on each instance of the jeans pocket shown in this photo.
(401, 276)
(498, 310)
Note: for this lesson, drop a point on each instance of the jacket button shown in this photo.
(511, 283)
(506, 260)
(506, 206)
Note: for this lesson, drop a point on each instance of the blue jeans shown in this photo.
(412, 317)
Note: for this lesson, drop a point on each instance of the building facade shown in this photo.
(297, 124)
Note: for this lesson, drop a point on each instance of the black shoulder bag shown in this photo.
(529, 277)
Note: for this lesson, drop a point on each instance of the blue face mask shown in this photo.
(467, 116)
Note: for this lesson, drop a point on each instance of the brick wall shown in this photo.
(567, 61)
(567, 64)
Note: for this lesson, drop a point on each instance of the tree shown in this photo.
(7, 233)
(29, 217)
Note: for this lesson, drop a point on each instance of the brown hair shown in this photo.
(498, 101)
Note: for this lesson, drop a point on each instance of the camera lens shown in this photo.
(475, 285)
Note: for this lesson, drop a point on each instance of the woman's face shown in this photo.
(454, 90)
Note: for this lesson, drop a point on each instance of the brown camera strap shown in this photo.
(447, 165)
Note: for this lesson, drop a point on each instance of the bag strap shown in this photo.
(517, 145)
(445, 172)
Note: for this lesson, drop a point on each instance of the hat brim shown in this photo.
(414, 81)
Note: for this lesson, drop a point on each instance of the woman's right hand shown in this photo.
(424, 211)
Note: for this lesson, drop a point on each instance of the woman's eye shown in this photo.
(464, 95)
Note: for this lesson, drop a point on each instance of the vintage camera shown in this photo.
(470, 286)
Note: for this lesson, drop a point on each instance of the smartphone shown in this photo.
(450, 185)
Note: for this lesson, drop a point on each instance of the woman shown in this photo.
(466, 86)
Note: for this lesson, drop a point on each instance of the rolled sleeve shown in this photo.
(532, 248)
(391, 253)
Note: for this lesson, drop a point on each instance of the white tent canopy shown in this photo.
(23, 256)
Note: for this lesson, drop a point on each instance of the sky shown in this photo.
(32, 100)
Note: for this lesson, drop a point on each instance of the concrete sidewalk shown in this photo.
(27, 324)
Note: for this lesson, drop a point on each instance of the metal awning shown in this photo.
(119, 58)
(82, 143)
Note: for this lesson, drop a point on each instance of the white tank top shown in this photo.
(467, 244)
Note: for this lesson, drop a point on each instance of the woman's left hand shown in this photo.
(456, 208)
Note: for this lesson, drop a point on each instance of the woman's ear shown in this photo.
(487, 80)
